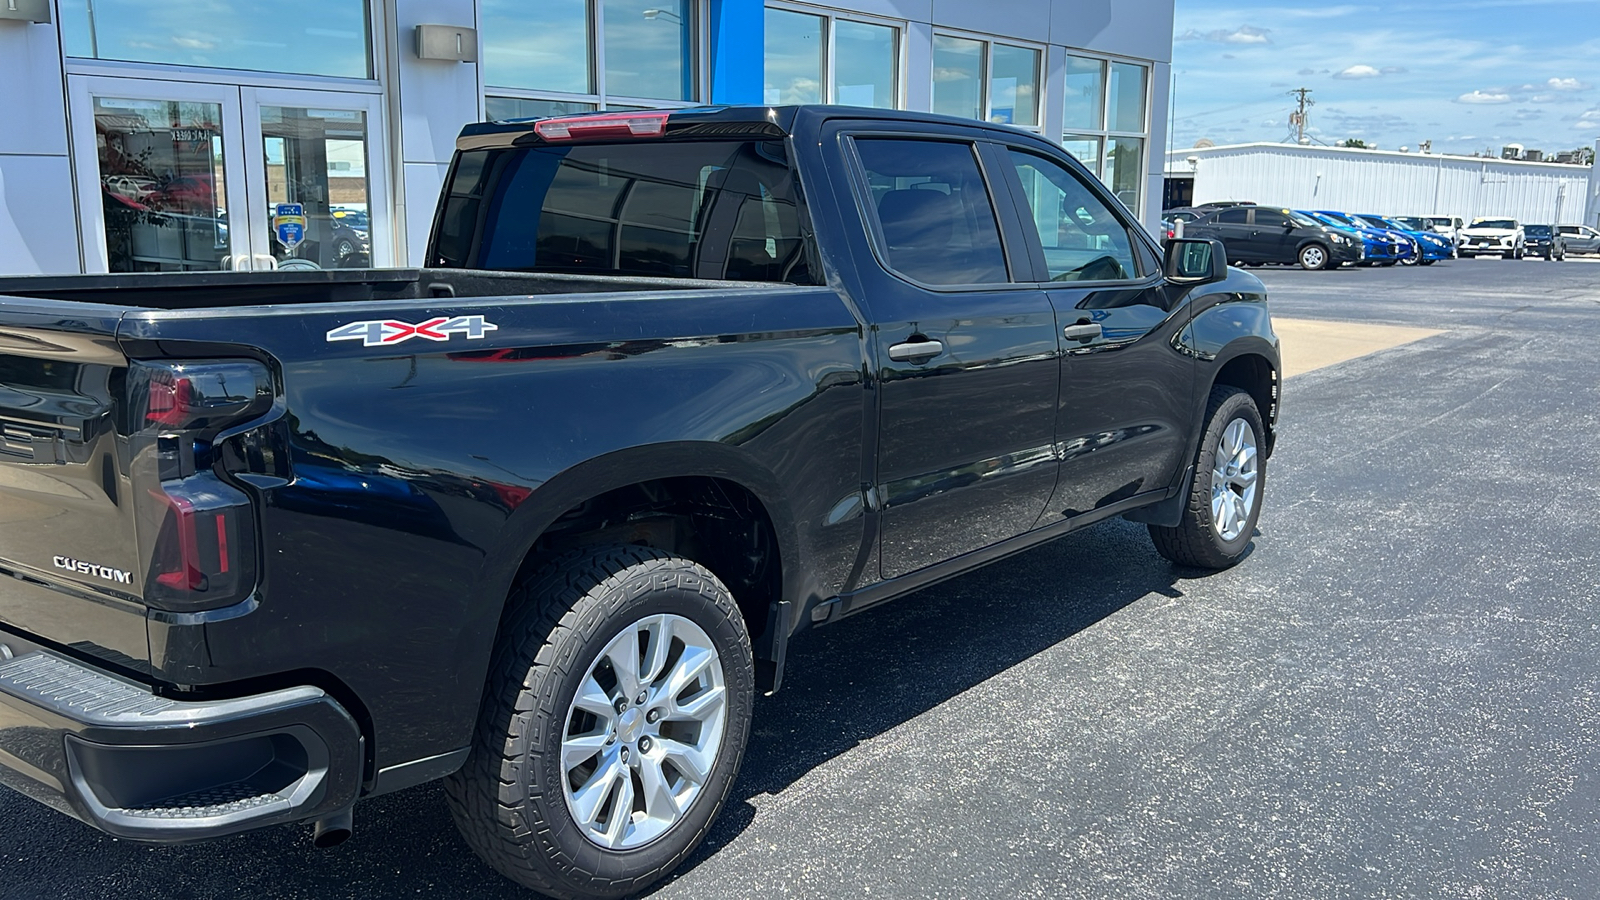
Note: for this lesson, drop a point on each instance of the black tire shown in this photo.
(1510, 254)
(343, 248)
(507, 799)
(1195, 541)
(1313, 257)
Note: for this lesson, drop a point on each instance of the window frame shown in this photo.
(1148, 258)
(699, 65)
(829, 17)
(1105, 134)
(1041, 75)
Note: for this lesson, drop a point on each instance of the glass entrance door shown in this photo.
(198, 177)
(311, 155)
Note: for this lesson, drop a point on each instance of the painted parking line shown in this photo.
(1311, 344)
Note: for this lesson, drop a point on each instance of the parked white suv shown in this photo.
(1449, 226)
(1501, 237)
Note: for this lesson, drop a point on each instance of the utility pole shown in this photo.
(1297, 119)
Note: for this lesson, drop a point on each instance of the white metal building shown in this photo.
(140, 136)
(1388, 182)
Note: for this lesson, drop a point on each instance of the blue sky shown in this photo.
(1466, 74)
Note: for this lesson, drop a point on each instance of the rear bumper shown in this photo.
(115, 755)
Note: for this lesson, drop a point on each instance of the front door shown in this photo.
(967, 364)
(202, 177)
(1121, 426)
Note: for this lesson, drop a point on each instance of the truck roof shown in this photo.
(709, 122)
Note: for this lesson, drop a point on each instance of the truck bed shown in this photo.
(201, 290)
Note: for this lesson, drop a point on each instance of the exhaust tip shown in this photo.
(333, 830)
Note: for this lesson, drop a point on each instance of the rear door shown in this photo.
(1232, 227)
(1126, 393)
(67, 531)
(966, 358)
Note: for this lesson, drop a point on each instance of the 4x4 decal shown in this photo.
(379, 332)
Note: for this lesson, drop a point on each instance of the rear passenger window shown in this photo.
(933, 210)
(1233, 216)
(1083, 239)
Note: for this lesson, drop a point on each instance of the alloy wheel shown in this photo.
(643, 732)
(1234, 476)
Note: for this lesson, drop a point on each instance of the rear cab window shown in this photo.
(686, 209)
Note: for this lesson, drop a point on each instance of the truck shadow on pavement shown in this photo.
(846, 684)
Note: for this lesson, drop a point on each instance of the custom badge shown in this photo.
(381, 332)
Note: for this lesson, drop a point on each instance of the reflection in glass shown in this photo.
(647, 49)
(1124, 169)
(1085, 97)
(161, 185)
(865, 62)
(499, 109)
(309, 37)
(318, 159)
(1014, 86)
(543, 45)
(795, 44)
(1127, 97)
(1086, 149)
(958, 77)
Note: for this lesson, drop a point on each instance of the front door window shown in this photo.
(162, 187)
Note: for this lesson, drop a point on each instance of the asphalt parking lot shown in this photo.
(1397, 694)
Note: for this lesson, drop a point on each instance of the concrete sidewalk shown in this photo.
(1310, 344)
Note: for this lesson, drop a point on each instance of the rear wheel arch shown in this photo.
(703, 501)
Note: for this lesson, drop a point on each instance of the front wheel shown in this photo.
(1224, 502)
(613, 724)
(1313, 257)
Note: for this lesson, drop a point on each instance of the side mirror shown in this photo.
(1289, 226)
(1194, 261)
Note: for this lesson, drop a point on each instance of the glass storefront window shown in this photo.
(317, 158)
(866, 61)
(1014, 86)
(161, 184)
(1125, 169)
(958, 65)
(1085, 148)
(539, 46)
(498, 109)
(648, 49)
(1084, 94)
(794, 58)
(305, 37)
(1125, 106)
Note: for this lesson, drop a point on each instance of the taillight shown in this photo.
(566, 128)
(196, 531)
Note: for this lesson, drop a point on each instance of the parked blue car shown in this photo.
(1379, 249)
(1433, 247)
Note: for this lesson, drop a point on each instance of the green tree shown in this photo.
(1355, 143)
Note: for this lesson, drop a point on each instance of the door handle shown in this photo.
(915, 351)
(1083, 331)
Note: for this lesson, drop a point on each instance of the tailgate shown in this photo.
(67, 530)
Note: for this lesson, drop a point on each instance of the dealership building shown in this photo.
(187, 135)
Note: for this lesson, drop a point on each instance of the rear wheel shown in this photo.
(613, 724)
(1313, 257)
(1224, 502)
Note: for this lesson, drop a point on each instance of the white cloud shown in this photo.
(1484, 97)
(1566, 84)
(1359, 71)
(1244, 34)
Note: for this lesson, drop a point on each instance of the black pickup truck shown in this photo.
(541, 517)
